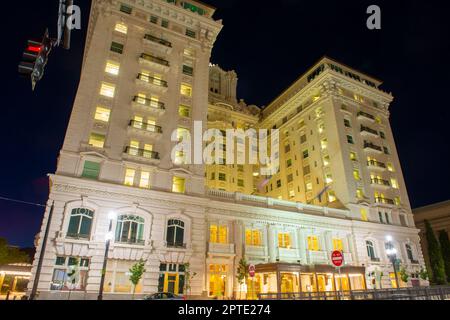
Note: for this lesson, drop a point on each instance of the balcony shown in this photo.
(380, 182)
(384, 201)
(141, 154)
(154, 62)
(221, 248)
(145, 129)
(149, 105)
(288, 254)
(367, 116)
(161, 44)
(255, 251)
(369, 131)
(317, 257)
(77, 236)
(369, 146)
(132, 242)
(374, 259)
(373, 164)
(152, 83)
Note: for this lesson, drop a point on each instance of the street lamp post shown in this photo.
(108, 239)
(392, 254)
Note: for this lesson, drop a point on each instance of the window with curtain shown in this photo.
(175, 233)
(80, 223)
(313, 243)
(284, 240)
(338, 245)
(218, 234)
(130, 229)
(253, 237)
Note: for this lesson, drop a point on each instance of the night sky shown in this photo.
(269, 44)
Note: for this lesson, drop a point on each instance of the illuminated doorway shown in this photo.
(217, 280)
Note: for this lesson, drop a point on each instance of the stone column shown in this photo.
(271, 243)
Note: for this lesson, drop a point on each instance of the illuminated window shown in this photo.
(134, 148)
(138, 122)
(309, 186)
(129, 177)
(253, 237)
(331, 196)
(184, 111)
(189, 53)
(313, 243)
(145, 180)
(107, 90)
(112, 67)
(394, 183)
(326, 160)
(291, 194)
(338, 245)
(284, 240)
(390, 167)
(122, 28)
(364, 215)
(356, 175)
(397, 201)
(218, 234)
(321, 127)
(102, 114)
(359, 193)
(179, 185)
(353, 156)
(186, 90)
(328, 178)
(324, 144)
(97, 140)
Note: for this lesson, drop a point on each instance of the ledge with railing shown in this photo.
(365, 115)
(374, 163)
(149, 58)
(176, 245)
(160, 41)
(149, 103)
(384, 200)
(369, 130)
(77, 236)
(152, 80)
(370, 145)
(152, 155)
(380, 182)
(145, 126)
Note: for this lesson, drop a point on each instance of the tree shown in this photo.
(10, 254)
(435, 254)
(137, 272)
(242, 272)
(189, 275)
(445, 249)
(404, 276)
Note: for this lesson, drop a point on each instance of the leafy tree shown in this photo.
(404, 274)
(189, 275)
(436, 260)
(137, 272)
(445, 249)
(242, 271)
(10, 254)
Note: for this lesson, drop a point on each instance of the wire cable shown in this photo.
(22, 202)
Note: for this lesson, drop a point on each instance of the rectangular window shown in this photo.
(179, 185)
(338, 245)
(380, 217)
(390, 167)
(186, 90)
(107, 90)
(356, 175)
(116, 47)
(91, 170)
(289, 163)
(278, 183)
(154, 19)
(284, 240)
(306, 170)
(305, 154)
(303, 138)
(121, 27)
(218, 234)
(359, 193)
(397, 201)
(290, 178)
(129, 177)
(253, 237)
(126, 9)
(347, 123)
(394, 183)
(165, 23)
(364, 215)
(324, 144)
(145, 180)
(190, 33)
(313, 243)
(184, 111)
(386, 150)
(240, 183)
(222, 177)
(382, 135)
(353, 156)
(97, 140)
(112, 67)
(187, 70)
(350, 139)
(102, 114)
(331, 196)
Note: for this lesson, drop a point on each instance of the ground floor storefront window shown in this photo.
(172, 278)
(70, 274)
(218, 274)
(394, 281)
(117, 277)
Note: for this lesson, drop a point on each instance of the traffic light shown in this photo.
(35, 59)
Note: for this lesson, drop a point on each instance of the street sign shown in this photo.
(337, 259)
(252, 270)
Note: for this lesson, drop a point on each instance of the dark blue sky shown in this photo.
(269, 44)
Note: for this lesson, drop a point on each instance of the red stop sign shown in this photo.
(337, 259)
(251, 270)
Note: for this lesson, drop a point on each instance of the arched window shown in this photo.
(175, 234)
(409, 252)
(370, 250)
(80, 223)
(130, 229)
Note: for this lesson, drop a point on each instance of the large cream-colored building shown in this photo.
(147, 74)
